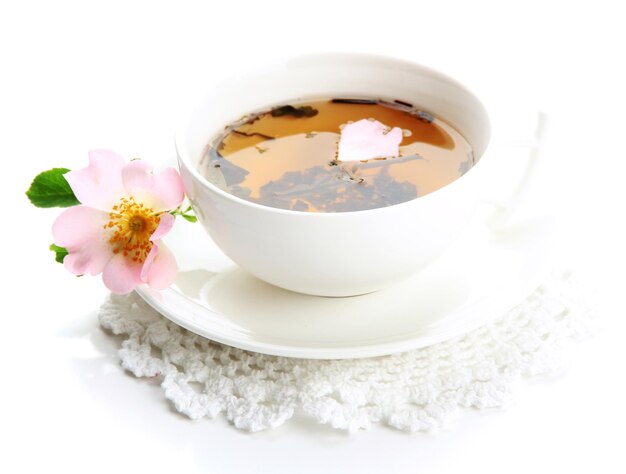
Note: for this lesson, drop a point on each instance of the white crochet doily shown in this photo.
(412, 391)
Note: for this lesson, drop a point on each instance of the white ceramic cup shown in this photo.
(334, 254)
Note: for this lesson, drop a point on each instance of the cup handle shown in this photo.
(505, 208)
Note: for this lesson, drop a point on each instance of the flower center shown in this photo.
(137, 223)
(132, 224)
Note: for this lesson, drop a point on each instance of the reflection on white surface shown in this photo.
(483, 274)
(266, 309)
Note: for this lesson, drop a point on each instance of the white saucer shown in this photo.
(481, 277)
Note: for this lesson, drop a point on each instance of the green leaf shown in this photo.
(187, 214)
(50, 189)
(59, 251)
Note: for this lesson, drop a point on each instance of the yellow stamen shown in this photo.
(132, 225)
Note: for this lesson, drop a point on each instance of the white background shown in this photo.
(118, 74)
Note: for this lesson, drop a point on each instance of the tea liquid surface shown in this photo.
(286, 157)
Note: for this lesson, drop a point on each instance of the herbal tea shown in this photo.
(305, 156)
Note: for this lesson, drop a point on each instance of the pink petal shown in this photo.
(161, 191)
(367, 139)
(160, 269)
(121, 275)
(80, 230)
(99, 185)
(165, 225)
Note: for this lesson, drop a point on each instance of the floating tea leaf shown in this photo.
(253, 134)
(232, 173)
(355, 101)
(424, 116)
(406, 104)
(298, 112)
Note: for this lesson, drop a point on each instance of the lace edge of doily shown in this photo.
(560, 293)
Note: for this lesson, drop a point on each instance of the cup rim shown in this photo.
(185, 160)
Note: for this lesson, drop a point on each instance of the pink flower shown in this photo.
(118, 229)
(368, 139)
